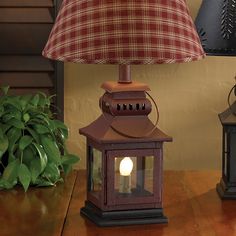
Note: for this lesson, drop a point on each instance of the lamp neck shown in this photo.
(124, 74)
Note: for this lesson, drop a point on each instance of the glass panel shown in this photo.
(232, 155)
(95, 171)
(134, 176)
(148, 182)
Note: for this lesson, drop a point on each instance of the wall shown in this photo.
(189, 97)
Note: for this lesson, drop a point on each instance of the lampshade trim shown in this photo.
(127, 62)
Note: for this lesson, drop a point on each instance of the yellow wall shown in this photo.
(189, 97)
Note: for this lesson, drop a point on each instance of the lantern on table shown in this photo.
(216, 26)
(125, 155)
(227, 186)
(124, 148)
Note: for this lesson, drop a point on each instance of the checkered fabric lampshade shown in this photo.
(124, 32)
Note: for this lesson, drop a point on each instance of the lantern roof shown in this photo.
(123, 129)
(228, 117)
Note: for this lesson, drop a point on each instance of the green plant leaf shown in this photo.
(35, 100)
(5, 127)
(61, 126)
(24, 176)
(1, 131)
(41, 129)
(52, 172)
(44, 183)
(17, 152)
(33, 134)
(51, 149)
(4, 184)
(43, 121)
(11, 157)
(13, 135)
(24, 100)
(60, 140)
(11, 113)
(42, 99)
(26, 117)
(3, 145)
(6, 117)
(67, 161)
(25, 141)
(28, 155)
(2, 111)
(35, 169)
(70, 159)
(42, 156)
(14, 102)
(16, 123)
(67, 168)
(11, 171)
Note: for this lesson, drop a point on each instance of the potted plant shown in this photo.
(32, 143)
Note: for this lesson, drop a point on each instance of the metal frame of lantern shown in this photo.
(116, 134)
(227, 186)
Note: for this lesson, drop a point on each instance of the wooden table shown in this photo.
(190, 202)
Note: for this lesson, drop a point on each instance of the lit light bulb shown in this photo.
(126, 166)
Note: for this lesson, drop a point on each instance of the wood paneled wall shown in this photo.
(24, 29)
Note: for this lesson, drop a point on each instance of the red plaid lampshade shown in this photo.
(124, 32)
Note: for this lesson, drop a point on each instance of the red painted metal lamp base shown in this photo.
(124, 130)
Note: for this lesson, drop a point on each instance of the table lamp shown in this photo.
(124, 148)
(216, 26)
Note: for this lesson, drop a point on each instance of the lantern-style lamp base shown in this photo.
(127, 217)
(124, 160)
(226, 191)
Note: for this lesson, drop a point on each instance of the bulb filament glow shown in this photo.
(126, 166)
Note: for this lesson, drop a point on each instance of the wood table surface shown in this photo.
(190, 202)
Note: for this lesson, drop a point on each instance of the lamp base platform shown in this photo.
(226, 191)
(125, 217)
